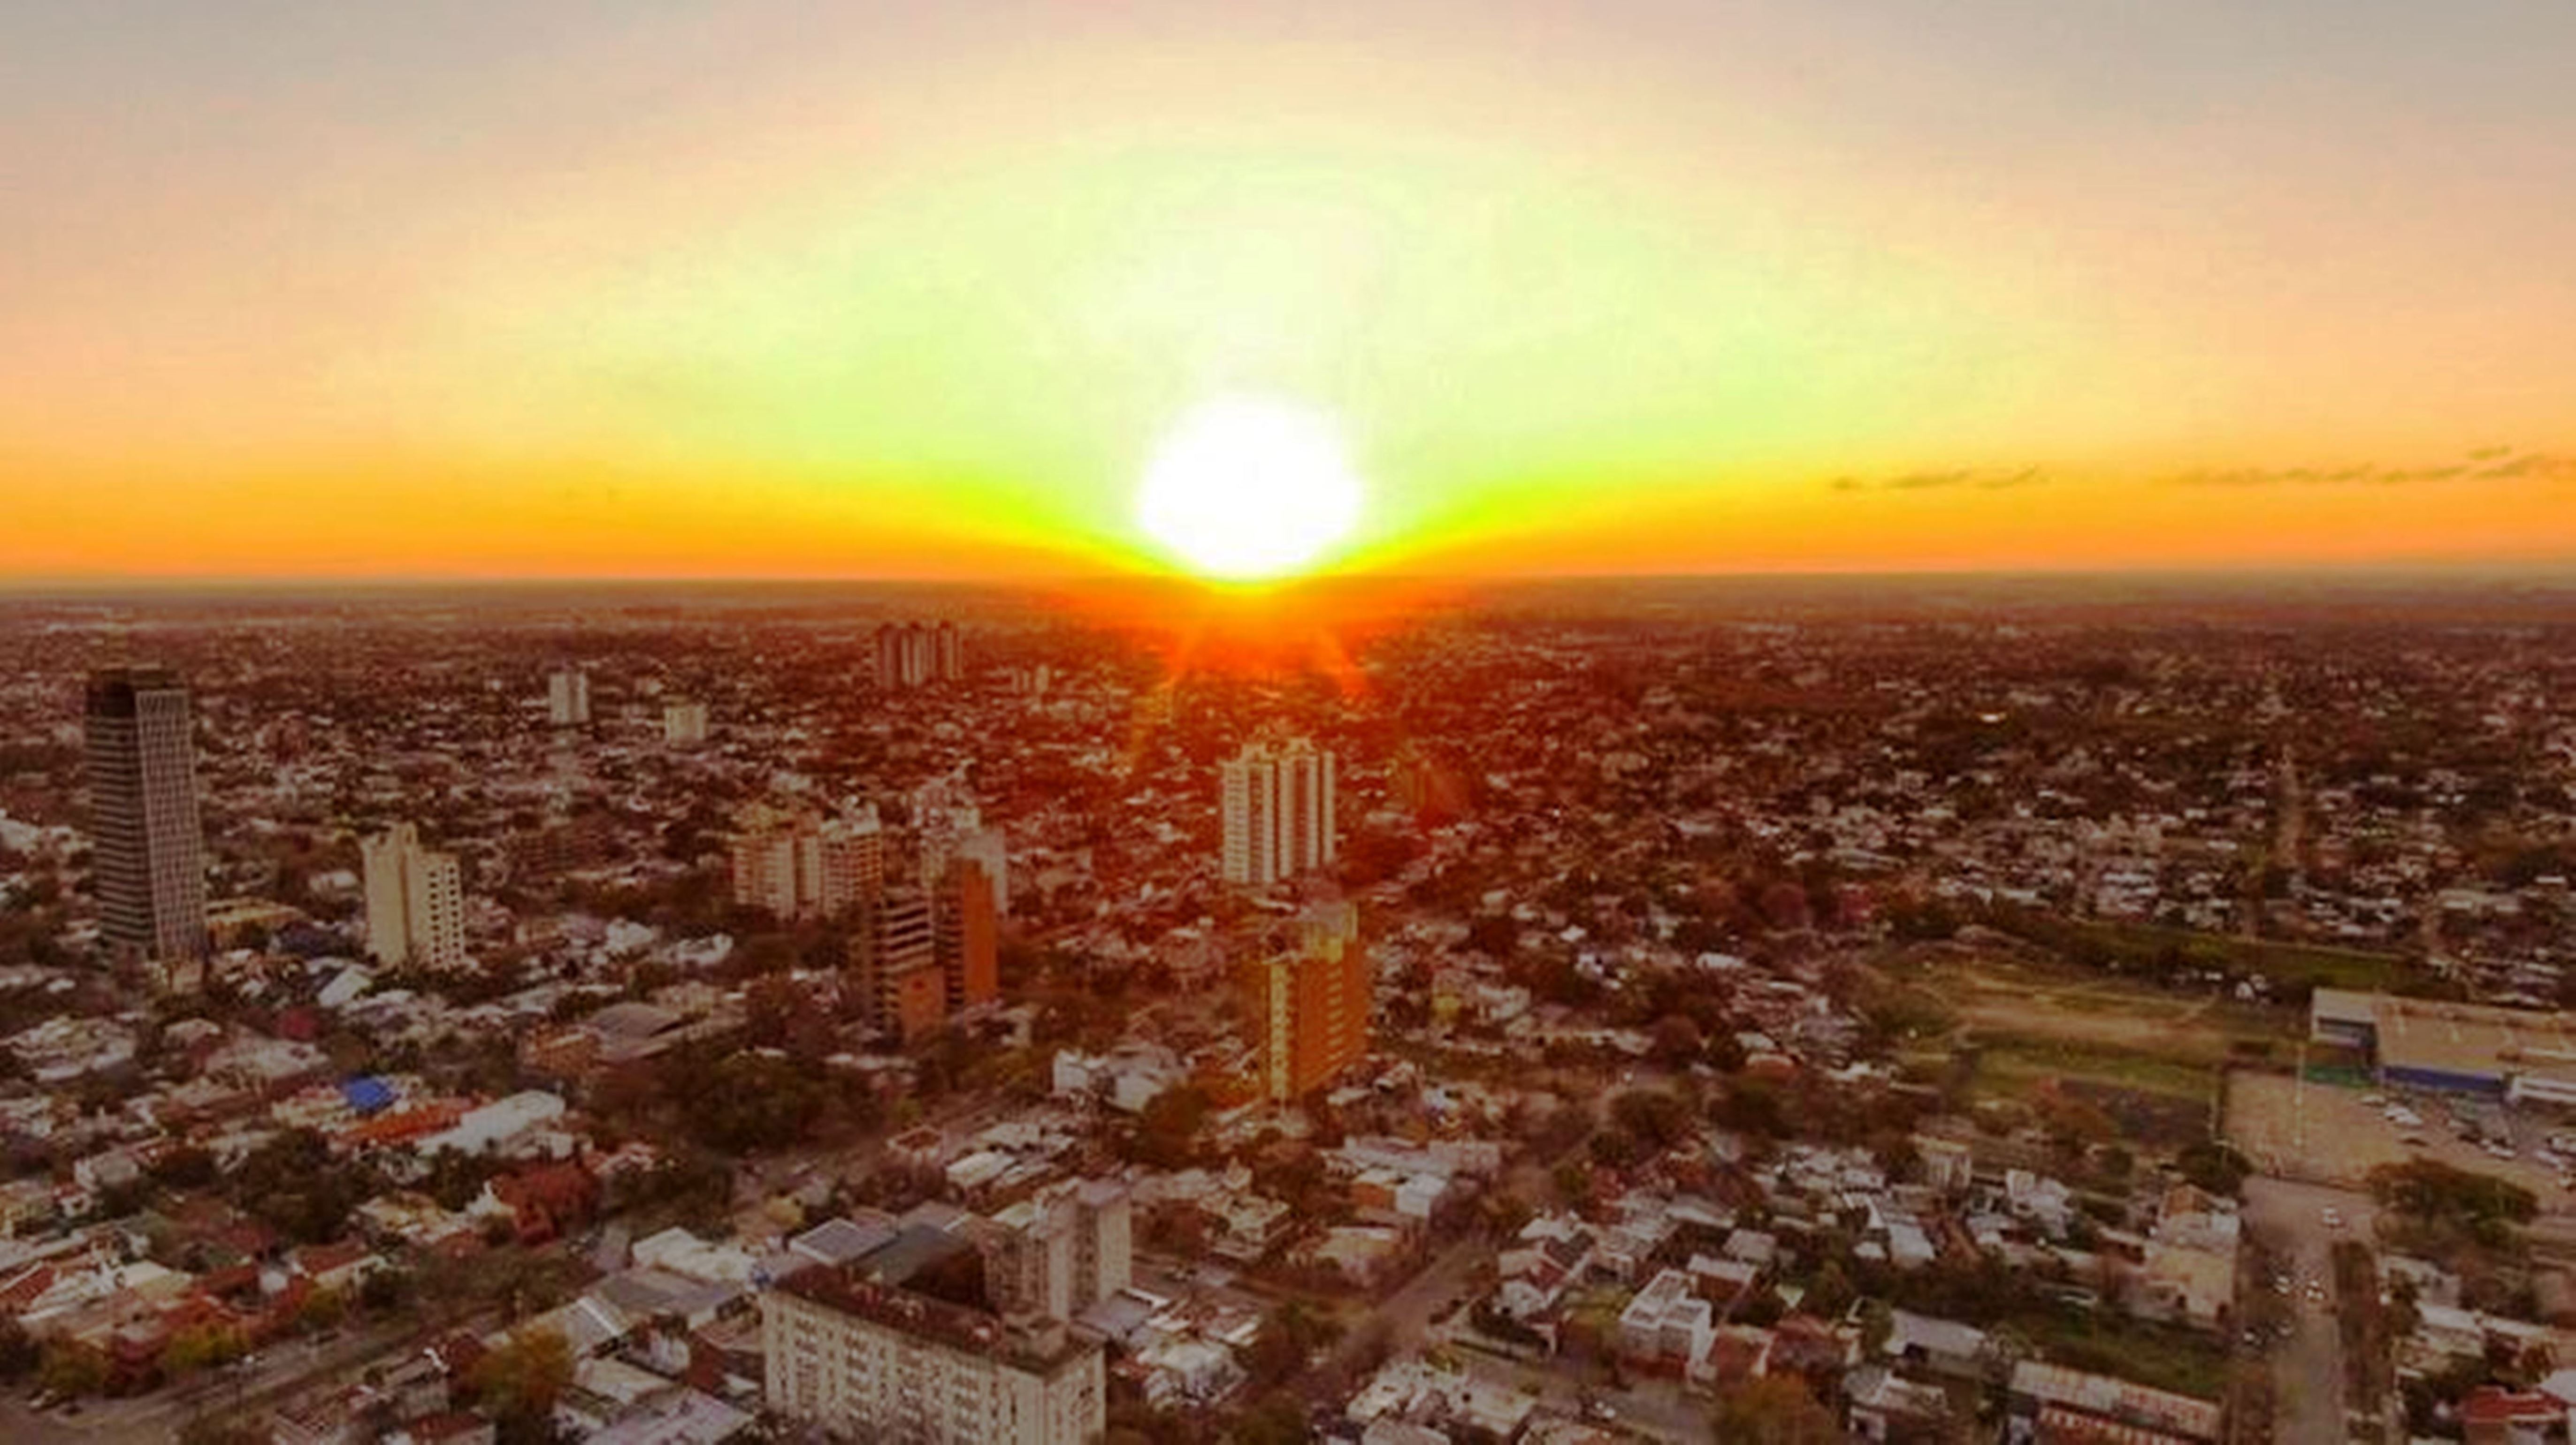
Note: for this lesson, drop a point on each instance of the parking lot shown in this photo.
(2300, 1129)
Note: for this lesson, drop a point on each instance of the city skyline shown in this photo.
(1749, 1003)
(1658, 289)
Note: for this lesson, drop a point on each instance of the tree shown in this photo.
(519, 1383)
(384, 1290)
(216, 1430)
(748, 1102)
(1277, 1420)
(187, 1167)
(1167, 1131)
(1677, 1040)
(196, 1348)
(2430, 1188)
(293, 1185)
(322, 1309)
(2214, 1167)
(1653, 1115)
(1829, 1294)
(19, 1355)
(1773, 1410)
(1288, 1339)
(70, 1368)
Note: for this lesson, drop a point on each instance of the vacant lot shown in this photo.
(2151, 1058)
(2310, 1131)
(2002, 998)
(2044, 1021)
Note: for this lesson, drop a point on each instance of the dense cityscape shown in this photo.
(1562, 1013)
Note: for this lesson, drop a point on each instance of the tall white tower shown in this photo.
(415, 901)
(568, 698)
(1248, 793)
(1277, 811)
(1306, 807)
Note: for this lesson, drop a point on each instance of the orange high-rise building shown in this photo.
(970, 936)
(1311, 1001)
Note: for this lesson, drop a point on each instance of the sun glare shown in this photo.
(1249, 488)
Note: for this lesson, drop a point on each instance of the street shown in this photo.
(2308, 1368)
(282, 1370)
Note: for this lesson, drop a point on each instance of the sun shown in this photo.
(1249, 488)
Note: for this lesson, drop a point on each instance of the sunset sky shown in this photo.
(803, 289)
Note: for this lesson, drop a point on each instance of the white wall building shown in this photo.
(868, 1363)
(496, 1126)
(1060, 1251)
(568, 698)
(415, 901)
(684, 724)
(799, 866)
(1277, 806)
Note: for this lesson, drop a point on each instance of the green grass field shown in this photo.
(2140, 945)
(2166, 1357)
(2011, 1063)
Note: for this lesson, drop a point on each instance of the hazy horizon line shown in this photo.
(2489, 571)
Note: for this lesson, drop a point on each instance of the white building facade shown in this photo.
(684, 724)
(415, 901)
(867, 1363)
(568, 698)
(1277, 806)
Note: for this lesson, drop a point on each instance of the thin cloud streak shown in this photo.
(1979, 478)
(2486, 464)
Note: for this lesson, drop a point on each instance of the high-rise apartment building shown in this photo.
(898, 965)
(415, 901)
(910, 655)
(948, 825)
(568, 698)
(767, 866)
(903, 656)
(1060, 1251)
(148, 851)
(1248, 800)
(1104, 1241)
(1277, 810)
(1028, 1259)
(848, 862)
(1311, 998)
(944, 814)
(871, 1362)
(969, 935)
(1308, 838)
(684, 724)
(799, 865)
(966, 870)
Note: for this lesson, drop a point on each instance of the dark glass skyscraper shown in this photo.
(147, 851)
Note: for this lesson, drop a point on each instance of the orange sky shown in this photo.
(1638, 286)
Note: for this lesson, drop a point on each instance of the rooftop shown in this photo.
(936, 1321)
